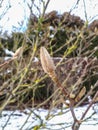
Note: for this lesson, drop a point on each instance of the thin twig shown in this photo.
(91, 103)
(6, 62)
(77, 123)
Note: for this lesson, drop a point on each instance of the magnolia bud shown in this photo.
(47, 62)
(18, 52)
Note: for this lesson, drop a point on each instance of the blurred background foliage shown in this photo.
(23, 81)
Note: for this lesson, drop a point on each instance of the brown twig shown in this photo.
(91, 103)
(6, 62)
(77, 123)
(49, 68)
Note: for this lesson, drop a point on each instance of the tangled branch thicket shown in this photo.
(72, 45)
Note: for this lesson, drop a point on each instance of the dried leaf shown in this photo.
(72, 95)
(74, 92)
(81, 94)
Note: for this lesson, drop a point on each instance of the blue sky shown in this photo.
(19, 10)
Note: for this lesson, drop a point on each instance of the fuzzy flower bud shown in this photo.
(47, 62)
(18, 53)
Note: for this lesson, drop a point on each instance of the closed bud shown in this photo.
(18, 53)
(47, 62)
